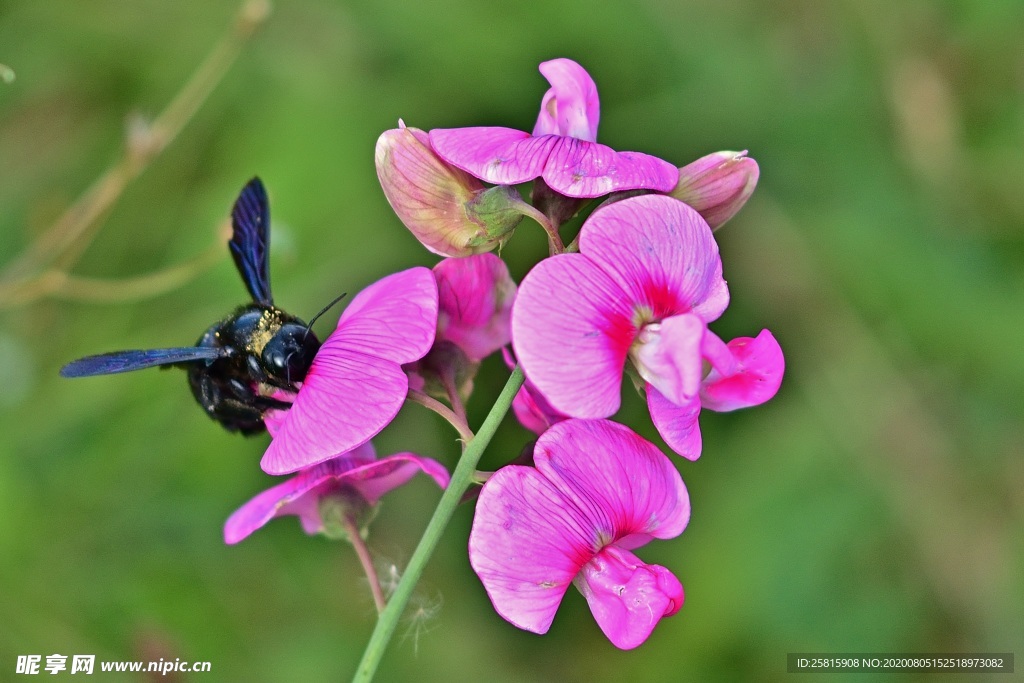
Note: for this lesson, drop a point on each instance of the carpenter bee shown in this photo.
(239, 364)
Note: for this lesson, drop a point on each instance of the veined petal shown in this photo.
(627, 597)
(265, 506)
(747, 374)
(668, 355)
(571, 330)
(297, 496)
(394, 318)
(573, 167)
(475, 303)
(571, 107)
(660, 251)
(346, 399)
(677, 424)
(526, 546)
(577, 168)
(374, 479)
(626, 489)
(502, 156)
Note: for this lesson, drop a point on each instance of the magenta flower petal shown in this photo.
(668, 356)
(749, 376)
(677, 424)
(571, 329)
(346, 399)
(355, 385)
(475, 303)
(289, 497)
(395, 318)
(661, 252)
(571, 107)
(597, 491)
(627, 597)
(502, 156)
(526, 546)
(577, 168)
(376, 478)
(573, 167)
(357, 470)
(627, 489)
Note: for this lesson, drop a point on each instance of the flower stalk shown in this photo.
(461, 479)
(366, 560)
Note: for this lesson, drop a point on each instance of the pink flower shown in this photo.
(562, 149)
(475, 304)
(645, 285)
(598, 492)
(356, 385)
(356, 478)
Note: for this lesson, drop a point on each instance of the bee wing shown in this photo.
(126, 361)
(250, 240)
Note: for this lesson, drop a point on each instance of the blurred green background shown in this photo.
(874, 505)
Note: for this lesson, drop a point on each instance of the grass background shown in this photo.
(874, 505)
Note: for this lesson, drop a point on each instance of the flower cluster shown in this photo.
(633, 294)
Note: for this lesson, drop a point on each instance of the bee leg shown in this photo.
(223, 403)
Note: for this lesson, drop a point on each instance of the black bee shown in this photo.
(236, 365)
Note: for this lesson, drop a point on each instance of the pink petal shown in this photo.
(261, 509)
(571, 330)
(376, 478)
(346, 399)
(677, 424)
(571, 106)
(290, 497)
(661, 252)
(669, 356)
(625, 488)
(533, 411)
(502, 156)
(575, 168)
(748, 374)
(475, 303)
(627, 597)
(394, 318)
(526, 546)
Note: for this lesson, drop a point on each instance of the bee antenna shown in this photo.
(322, 311)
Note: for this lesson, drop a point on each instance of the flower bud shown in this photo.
(717, 185)
(449, 211)
(445, 364)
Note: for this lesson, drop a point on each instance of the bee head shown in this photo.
(289, 353)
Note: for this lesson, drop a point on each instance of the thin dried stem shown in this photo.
(366, 560)
(27, 276)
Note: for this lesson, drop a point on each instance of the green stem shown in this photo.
(554, 240)
(444, 411)
(461, 479)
